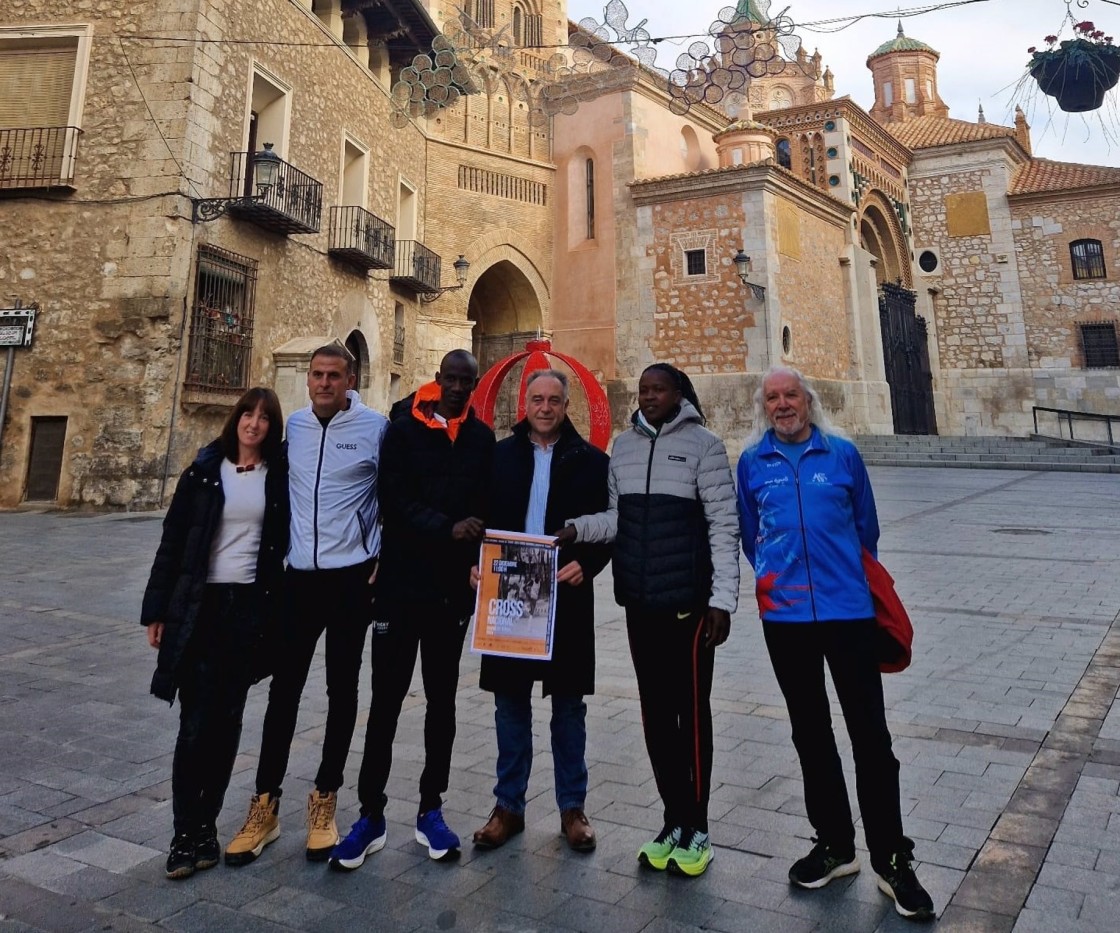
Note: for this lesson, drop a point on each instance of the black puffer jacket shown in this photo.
(425, 486)
(672, 517)
(178, 578)
(577, 485)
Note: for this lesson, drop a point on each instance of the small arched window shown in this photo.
(785, 160)
(1087, 259)
(590, 199)
(518, 37)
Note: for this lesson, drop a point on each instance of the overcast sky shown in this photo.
(983, 48)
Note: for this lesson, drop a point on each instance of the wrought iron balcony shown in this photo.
(38, 157)
(417, 267)
(361, 238)
(293, 203)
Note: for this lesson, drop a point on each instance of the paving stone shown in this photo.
(959, 919)
(292, 907)
(1007, 640)
(1002, 892)
(203, 917)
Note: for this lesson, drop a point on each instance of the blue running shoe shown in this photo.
(433, 832)
(366, 837)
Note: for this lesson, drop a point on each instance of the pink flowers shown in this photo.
(1085, 34)
(1089, 31)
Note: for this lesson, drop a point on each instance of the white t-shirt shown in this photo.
(233, 553)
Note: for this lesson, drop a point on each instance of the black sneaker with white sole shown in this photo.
(207, 852)
(180, 859)
(822, 865)
(898, 881)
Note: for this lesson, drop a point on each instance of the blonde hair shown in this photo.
(817, 414)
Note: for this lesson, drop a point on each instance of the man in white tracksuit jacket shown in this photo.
(334, 449)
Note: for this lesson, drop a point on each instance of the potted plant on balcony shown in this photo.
(1077, 72)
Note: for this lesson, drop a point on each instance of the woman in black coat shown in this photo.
(206, 606)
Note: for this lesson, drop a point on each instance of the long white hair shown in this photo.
(817, 414)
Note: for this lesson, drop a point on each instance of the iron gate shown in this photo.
(907, 361)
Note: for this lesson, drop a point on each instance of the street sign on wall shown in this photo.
(16, 326)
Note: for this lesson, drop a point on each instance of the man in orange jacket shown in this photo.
(435, 470)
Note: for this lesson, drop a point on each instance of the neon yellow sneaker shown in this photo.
(655, 853)
(692, 855)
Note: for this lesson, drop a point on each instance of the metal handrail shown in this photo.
(1069, 415)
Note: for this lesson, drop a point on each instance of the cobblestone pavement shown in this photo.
(1006, 727)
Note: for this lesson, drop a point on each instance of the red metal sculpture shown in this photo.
(536, 355)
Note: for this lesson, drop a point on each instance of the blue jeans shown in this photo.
(513, 720)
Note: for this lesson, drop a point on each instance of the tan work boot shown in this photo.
(322, 833)
(262, 826)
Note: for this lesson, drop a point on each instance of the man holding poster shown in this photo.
(543, 474)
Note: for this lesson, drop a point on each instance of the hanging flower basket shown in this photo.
(1077, 72)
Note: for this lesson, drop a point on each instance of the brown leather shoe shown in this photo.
(575, 826)
(500, 828)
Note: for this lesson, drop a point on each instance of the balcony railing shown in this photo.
(38, 157)
(361, 238)
(294, 203)
(417, 267)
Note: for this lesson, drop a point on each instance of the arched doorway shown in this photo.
(878, 236)
(356, 344)
(905, 343)
(506, 312)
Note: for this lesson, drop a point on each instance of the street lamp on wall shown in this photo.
(266, 170)
(743, 268)
(460, 265)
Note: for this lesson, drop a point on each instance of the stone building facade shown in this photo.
(157, 306)
(895, 241)
(928, 272)
(1014, 262)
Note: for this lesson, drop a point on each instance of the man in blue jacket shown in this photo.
(334, 450)
(807, 512)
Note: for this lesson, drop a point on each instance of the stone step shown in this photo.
(993, 453)
(1059, 453)
(936, 441)
(1035, 466)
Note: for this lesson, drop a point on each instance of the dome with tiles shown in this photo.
(901, 43)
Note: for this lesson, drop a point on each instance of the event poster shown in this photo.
(516, 606)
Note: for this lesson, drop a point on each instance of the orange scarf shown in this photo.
(424, 410)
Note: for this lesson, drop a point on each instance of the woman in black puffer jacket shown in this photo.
(209, 598)
(673, 519)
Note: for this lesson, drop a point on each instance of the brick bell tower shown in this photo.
(905, 74)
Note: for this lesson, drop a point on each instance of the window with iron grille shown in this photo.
(1099, 345)
(1087, 258)
(41, 91)
(221, 340)
(695, 261)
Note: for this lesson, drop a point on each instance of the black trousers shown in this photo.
(437, 635)
(213, 681)
(798, 653)
(339, 603)
(674, 672)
